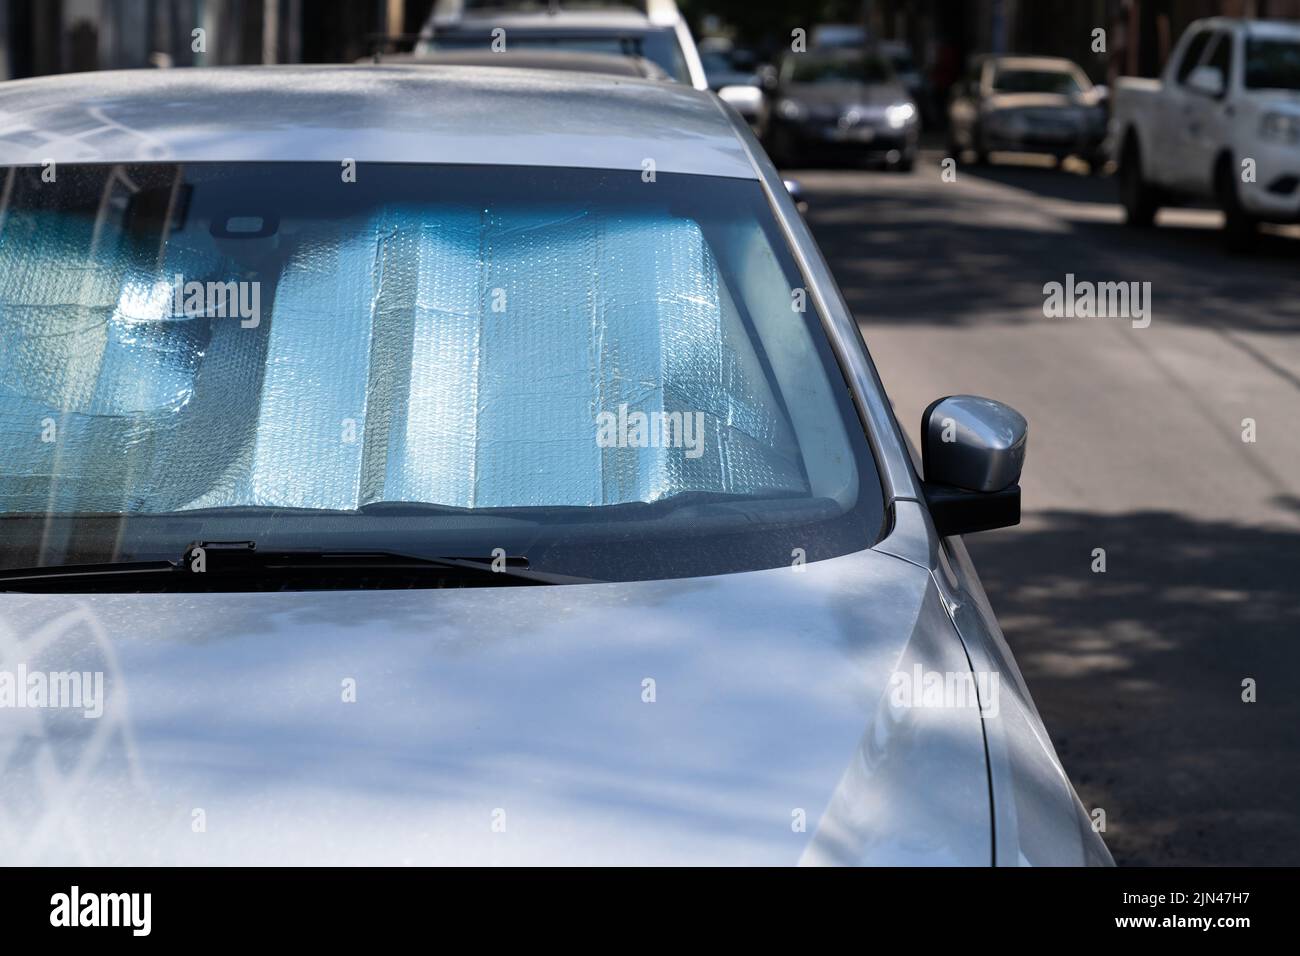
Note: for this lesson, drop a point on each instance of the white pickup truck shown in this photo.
(1222, 123)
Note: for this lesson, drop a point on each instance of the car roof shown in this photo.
(370, 113)
(1033, 62)
(578, 61)
(847, 54)
(1276, 29)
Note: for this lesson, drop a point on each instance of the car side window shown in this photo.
(1192, 55)
(1221, 56)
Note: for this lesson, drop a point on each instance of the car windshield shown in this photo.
(611, 376)
(1272, 64)
(659, 46)
(1036, 81)
(865, 68)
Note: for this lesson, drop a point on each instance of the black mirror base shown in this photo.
(957, 511)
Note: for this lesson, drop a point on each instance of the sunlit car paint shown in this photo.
(742, 718)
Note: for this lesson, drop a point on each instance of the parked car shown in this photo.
(531, 58)
(654, 29)
(529, 505)
(1221, 123)
(1027, 105)
(842, 103)
(904, 65)
(839, 36)
(737, 78)
(912, 77)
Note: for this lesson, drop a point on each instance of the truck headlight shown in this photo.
(1280, 127)
(900, 114)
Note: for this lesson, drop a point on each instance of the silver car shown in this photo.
(1022, 104)
(452, 465)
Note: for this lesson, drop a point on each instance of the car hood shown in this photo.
(1284, 101)
(743, 718)
(1036, 101)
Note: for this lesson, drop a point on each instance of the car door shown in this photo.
(1205, 117)
(1184, 116)
(1171, 124)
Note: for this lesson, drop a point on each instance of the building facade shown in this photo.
(39, 37)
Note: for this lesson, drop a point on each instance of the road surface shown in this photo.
(1136, 447)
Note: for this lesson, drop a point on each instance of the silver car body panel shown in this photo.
(513, 724)
(367, 113)
(771, 738)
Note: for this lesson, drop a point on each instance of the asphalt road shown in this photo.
(1135, 447)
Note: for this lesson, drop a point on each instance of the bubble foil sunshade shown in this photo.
(461, 359)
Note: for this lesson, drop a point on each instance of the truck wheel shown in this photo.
(1240, 229)
(1140, 199)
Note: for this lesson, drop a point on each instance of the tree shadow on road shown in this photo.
(919, 251)
(1138, 674)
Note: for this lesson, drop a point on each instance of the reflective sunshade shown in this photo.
(302, 339)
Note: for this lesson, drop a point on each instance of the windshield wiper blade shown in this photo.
(71, 572)
(208, 563)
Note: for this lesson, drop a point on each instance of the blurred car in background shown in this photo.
(653, 29)
(1230, 93)
(832, 36)
(574, 61)
(738, 79)
(725, 65)
(846, 103)
(910, 75)
(1024, 104)
(899, 55)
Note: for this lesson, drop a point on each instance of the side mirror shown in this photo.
(973, 449)
(1208, 80)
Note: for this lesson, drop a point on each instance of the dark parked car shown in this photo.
(1027, 105)
(842, 102)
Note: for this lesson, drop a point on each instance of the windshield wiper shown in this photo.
(241, 566)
